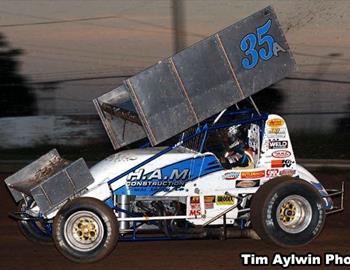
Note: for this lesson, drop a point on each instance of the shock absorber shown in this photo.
(123, 203)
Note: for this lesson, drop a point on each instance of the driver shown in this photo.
(239, 154)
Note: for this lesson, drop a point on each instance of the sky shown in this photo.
(69, 40)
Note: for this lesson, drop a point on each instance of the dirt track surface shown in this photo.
(18, 253)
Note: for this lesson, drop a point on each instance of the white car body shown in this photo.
(205, 194)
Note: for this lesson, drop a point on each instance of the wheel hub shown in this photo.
(287, 212)
(84, 230)
(294, 214)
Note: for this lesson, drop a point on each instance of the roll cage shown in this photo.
(227, 118)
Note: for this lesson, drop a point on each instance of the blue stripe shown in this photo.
(198, 167)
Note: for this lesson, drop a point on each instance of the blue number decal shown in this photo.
(259, 45)
(260, 31)
(249, 50)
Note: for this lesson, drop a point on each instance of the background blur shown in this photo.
(56, 56)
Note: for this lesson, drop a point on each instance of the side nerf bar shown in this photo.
(336, 193)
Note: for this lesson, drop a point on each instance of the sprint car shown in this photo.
(187, 192)
(178, 181)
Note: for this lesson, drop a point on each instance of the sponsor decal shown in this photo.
(278, 144)
(276, 132)
(247, 183)
(281, 163)
(252, 174)
(275, 122)
(231, 175)
(208, 202)
(289, 172)
(195, 212)
(194, 203)
(138, 178)
(272, 173)
(194, 200)
(225, 200)
(281, 154)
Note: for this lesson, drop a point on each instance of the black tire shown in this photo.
(34, 231)
(287, 212)
(81, 219)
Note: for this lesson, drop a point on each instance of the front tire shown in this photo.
(287, 212)
(85, 230)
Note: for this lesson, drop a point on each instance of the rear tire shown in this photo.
(287, 212)
(85, 230)
(34, 231)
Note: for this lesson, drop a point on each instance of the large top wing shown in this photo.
(200, 81)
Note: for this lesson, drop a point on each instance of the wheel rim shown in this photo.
(83, 231)
(294, 214)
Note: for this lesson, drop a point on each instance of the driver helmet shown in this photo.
(233, 134)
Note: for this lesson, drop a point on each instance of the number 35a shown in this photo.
(249, 46)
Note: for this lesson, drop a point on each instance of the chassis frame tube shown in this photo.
(335, 193)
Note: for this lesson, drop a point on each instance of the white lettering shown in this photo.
(336, 259)
(277, 48)
(135, 175)
(176, 175)
(252, 259)
(157, 174)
